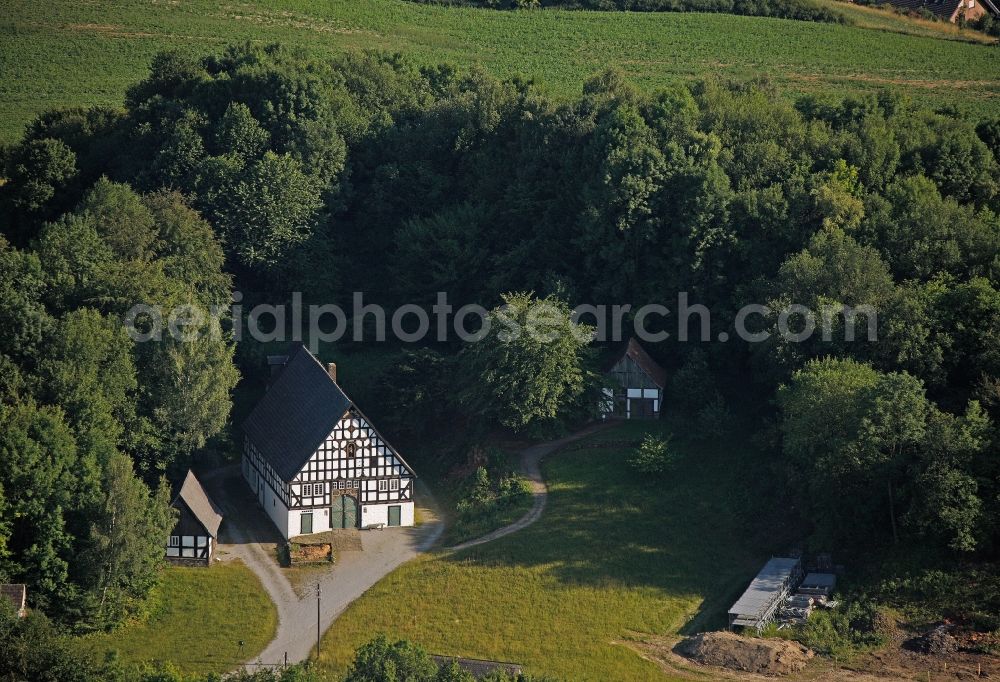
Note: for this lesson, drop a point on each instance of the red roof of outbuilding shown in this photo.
(645, 362)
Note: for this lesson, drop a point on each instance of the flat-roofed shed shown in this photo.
(760, 600)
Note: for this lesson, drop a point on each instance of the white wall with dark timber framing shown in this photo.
(381, 513)
(633, 394)
(267, 487)
(634, 389)
(354, 461)
(190, 546)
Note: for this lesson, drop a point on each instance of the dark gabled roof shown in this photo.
(477, 667)
(200, 504)
(641, 358)
(296, 414)
(16, 594)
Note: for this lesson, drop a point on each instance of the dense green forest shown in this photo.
(91, 421)
(266, 171)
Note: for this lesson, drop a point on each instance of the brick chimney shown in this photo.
(331, 369)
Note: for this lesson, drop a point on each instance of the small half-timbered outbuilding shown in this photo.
(193, 539)
(637, 384)
(314, 461)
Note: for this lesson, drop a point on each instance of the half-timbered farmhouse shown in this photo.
(314, 461)
(638, 382)
(192, 541)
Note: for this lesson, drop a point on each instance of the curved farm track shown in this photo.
(248, 536)
(530, 466)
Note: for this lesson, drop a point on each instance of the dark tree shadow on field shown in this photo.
(686, 535)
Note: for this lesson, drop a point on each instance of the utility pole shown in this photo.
(318, 593)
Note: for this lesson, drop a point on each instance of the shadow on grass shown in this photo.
(688, 534)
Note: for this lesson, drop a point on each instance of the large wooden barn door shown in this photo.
(337, 515)
(642, 408)
(344, 513)
(350, 512)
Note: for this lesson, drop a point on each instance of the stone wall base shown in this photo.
(187, 561)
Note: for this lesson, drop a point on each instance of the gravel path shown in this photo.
(248, 535)
(351, 577)
(530, 466)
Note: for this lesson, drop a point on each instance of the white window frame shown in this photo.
(394, 484)
(174, 541)
(307, 490)
(383, 485)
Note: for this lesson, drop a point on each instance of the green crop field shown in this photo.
(199, 616)
(62, 53)
(614, 558)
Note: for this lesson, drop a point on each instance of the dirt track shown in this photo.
(248, 535)
(530, 466)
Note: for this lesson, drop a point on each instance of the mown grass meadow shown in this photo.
(477, 520)
(612, 558)
(198, 617)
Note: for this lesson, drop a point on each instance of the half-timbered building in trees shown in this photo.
(192, 541)
(637, 384)
(314, 461)
(17, 595)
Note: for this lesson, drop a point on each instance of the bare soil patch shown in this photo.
(664, 652)
(745, 654)
(945, 652)
(347, 540)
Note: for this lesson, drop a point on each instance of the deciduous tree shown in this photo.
(531, 366)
